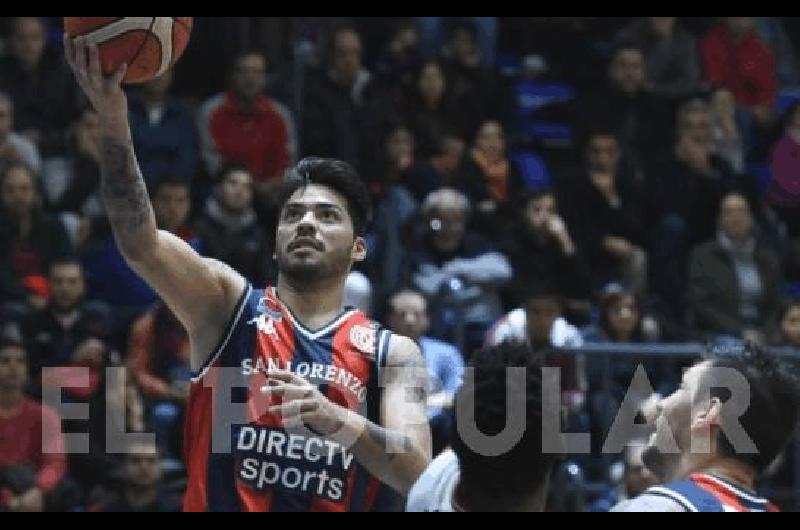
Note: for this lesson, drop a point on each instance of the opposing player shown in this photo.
(306, 362)
(719, 476)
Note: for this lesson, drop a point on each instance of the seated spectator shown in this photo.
(408, 316)
(543, 252)
(735, 282)
(727, 134)
(604, 210)
(433, 33)
(673, 68)
(336, 101)
(624, 106)
(387, 261)
(33, 460)
(398, 62)
(475, 88)
(14, 147)
(158, 359)
(111, 279)
(246, 127)
(30, 240)
(540, 323)
(69, 331)
(735, 57)
(510, 479)
(622, 320)
(163, 132)
(783, 193)
(681, 194)
(438, 170)
(431, 110)
(140, 487)
(489, 178)
(458, 271)
(71, 182)
(229, 229)
(36, 78)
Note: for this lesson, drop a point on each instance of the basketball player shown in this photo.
(308, 363)
(512, 480)
(722, 478)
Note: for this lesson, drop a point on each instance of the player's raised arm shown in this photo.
(198, 291)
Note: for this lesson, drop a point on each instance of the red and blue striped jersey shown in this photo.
(702, 492)
(239, 456)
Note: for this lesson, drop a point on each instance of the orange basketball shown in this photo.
(149, 45)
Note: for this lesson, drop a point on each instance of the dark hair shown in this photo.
(610, 300)
(247, 53)
(337, 175)
(625, 45)
(172, 181)
(461, 24)
(772, 417)
(542, 291)
(67, 260)
(11, 340)
(604, 129)
(227, 169)
(492, 482)
(337, 28)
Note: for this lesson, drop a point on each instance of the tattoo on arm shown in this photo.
(395, 443)
(124, 190)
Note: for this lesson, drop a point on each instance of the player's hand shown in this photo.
(303, 404)
(105, 94)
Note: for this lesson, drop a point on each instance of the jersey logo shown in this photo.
(265, 324)
(364, 339)
(270, 307)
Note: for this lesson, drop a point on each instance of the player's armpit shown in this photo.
(203, 293)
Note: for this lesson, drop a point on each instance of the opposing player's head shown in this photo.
(324, 208)
(695, 410)
(520, 476)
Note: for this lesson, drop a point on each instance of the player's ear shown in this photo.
(709, 415)
(359, 249)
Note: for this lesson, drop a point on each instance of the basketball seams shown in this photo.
(163, 29)
(119, 35)
(144, 41)
(115, 28)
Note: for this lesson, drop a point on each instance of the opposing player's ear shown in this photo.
(359, 249)
(709, 415)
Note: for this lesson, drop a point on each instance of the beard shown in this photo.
(310, 271)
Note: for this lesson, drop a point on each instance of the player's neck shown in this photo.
(315, 305)
(737, 473)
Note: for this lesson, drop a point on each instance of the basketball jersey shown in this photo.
(254, 463)
(707, 493)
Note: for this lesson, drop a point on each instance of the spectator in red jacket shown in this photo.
(32, 466)
(245, 126)
(735, 57)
